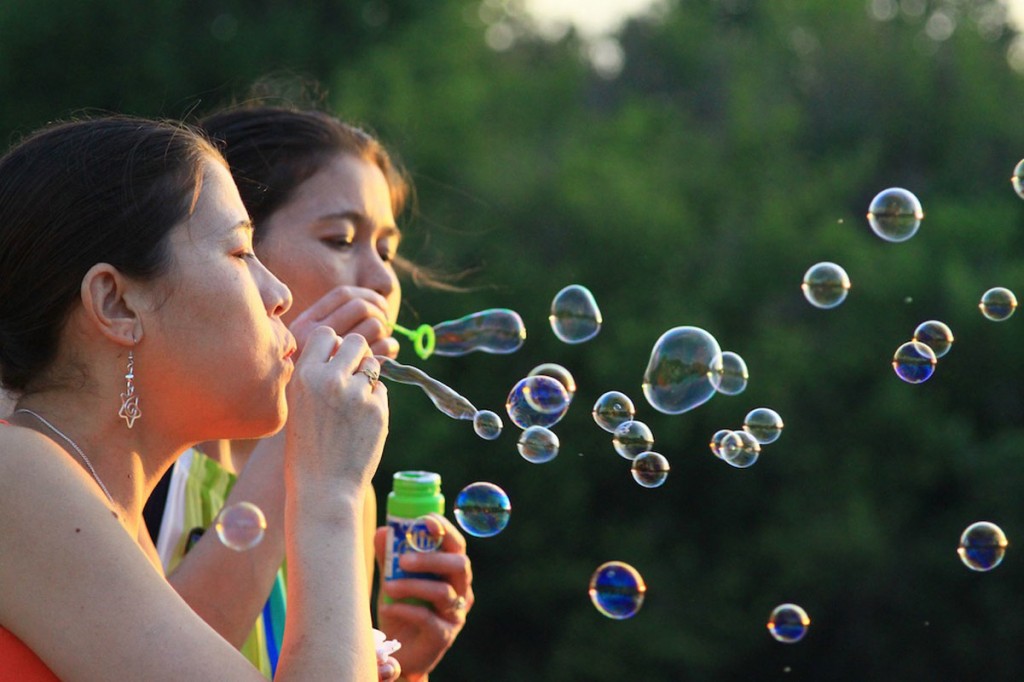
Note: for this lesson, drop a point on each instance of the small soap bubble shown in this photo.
(482, 509)
(914, 362)
(650, 469)
(716, 442)
(631, 438)
(425, 534)
(895, 214)
(764, 424)
(825, 285)
(545, 394)
(997, 304)
(678, 374)
(487, 424)
(523, 397)
(729, 375)
(936, 335)
(982, 546)
(1018, 179)
(555, 371)
(611, 409)
(788, 623)
(617, 590)
(575, 317)
(241, 526)
(538, 444)
(740, 449)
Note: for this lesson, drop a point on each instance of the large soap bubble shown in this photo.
(678, 375)
(895, 214)
(575, 317)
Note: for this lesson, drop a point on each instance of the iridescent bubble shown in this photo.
(936, 335)
(731, 375)
(914, 362)
(630, 438)
(575, 317)
(521, 409)
(545, 394)
(997, 304)
(555, 371)
(716, 442)
(425, 534)
(617, 590)
(764, 424)
(487, 424)
(537, 445)
(895, 214)
(678, 374)
(788, 623)
(611, 409)
(241, 526)
(825, 285)
(740, 449)
(496, 330)
(982, 546)
(1018, 179)
(650, 469)
(482, 509)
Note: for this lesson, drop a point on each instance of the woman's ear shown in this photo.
(111, 304)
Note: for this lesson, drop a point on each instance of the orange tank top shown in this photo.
(17, 661)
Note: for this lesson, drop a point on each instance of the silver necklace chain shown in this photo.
(73, 444)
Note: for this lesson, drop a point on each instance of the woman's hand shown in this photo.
(350, 310)
(425, 633)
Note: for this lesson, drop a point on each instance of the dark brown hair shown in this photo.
(74, 194)
(271, 150)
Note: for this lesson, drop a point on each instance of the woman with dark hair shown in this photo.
(323, 197)
(135, 322)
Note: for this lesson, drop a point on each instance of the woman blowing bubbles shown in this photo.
(125, 250)
(323, 197)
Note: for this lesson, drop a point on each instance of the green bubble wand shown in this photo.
(423, 338)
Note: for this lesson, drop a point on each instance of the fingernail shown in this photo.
(386, 671)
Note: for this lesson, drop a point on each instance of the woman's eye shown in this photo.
(388, 249)
(339, 242)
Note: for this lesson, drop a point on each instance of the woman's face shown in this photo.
(337, 228)
(213, 336)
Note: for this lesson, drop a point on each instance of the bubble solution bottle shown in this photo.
(414, 494)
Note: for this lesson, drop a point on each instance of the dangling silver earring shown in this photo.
(129, 401)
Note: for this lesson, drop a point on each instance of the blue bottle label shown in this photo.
(395, 546)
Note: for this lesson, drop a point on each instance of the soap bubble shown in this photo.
(788, 623)
(914, 362)
(487, 424)
(555, 371)
(425, 534)
(731, 375)
(611, 409)
(496, 330)
(630, 438)
(1018, 179)
(482, 509)
(740, 449)
(982, 546)
(825, 285)
(997, 304)
(617, 590)
(531, 391)
(575, 317)
(716, 442)
(545, 394)
(764, 424)
(936, 335)
(678, 374)
(241, 526)
(895, 214)
(537, 445)
(650, 469)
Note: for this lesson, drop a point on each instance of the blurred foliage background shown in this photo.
(687, 170)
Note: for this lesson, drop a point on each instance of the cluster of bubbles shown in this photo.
(914, 361)
(742, 447)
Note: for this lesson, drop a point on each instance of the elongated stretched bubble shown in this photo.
(497, 330)
(678, 375)
(443, 396)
